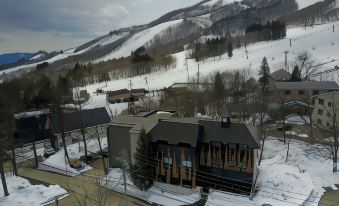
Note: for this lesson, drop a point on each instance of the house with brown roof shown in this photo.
(297, 96)
(191, 152)
(125, 95)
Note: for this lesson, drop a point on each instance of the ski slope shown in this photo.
(320, 41)
(212, 3)
(305, 3)
(139, 39)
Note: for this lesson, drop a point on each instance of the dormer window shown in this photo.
(225, 122)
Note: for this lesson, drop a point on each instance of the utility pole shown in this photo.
(198, 74)
(130, 96)
(290, 42)
(149, 95)
(188, 74)
(286, 52)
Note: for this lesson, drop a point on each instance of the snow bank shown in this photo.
(297, 119)
(299, 181)
(57, 163)
(296, 134)
(22, 193)
(163, 194)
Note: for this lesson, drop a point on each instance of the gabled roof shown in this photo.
(176, 132)
(330, 85)
(280, 75)
(235, 133)
(77, 120)
(118, 92)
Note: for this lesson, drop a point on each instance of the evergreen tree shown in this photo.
(230, 49)
(264, 74)
(296, 75)
(141, 171)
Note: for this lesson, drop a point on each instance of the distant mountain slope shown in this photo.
(182, 27)
(13, 57)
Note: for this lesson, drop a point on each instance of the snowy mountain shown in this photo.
(207, 18)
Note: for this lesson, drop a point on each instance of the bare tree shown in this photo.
(78, 104)
(307, 65)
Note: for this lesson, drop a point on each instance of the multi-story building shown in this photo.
(190, 151)
(326, 110)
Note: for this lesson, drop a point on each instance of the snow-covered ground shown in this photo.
(320, 41)
(299, 181)
(57, 163)
(163, 194)
(22, 193)
(305, 3)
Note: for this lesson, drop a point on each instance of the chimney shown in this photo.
(225, 119)
(225, 122)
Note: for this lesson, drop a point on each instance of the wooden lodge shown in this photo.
(125, 95)
(192, 152)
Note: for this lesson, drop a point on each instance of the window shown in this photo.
(315, 92)
(319, 121)
(232, 163)
(168, 160)
(217, 161)
(242, 165)
(216, 144)
(301, 92)
(321, 101)
(320, 111)
(186, 163)
(329, 104)
(328, 114)
(327, 124)
(287, 92)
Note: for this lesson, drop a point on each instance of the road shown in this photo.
(83, 189)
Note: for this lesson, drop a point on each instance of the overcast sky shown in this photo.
(32, 25)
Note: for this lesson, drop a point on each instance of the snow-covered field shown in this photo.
(163, 194)
(22, 193)
(299, 181)
(57, 163)
(320, 41)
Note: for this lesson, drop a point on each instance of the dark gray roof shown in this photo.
(77, 120)
(236, 133)
(136, 123)
(176, 132)
(307, 85)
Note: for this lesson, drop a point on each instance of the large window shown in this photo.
(287, 92)
(186, 163)
(329, 104)
(315, 92)
(168, 160)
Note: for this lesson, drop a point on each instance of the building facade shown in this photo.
(192, 152)
(326, 108)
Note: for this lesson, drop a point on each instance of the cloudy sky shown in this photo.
(32, 25)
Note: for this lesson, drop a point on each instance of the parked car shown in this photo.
(49, 151)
